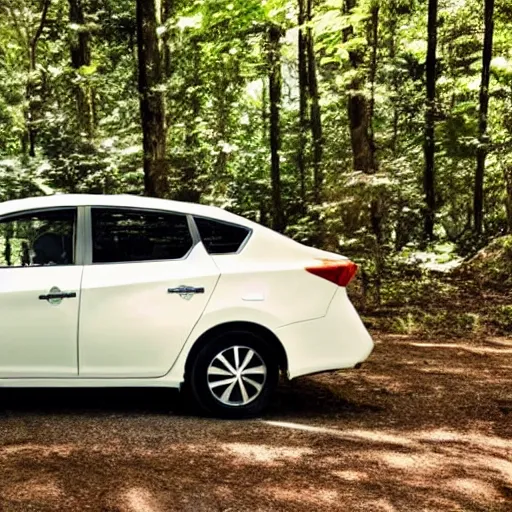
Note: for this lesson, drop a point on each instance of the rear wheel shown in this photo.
(234, 375)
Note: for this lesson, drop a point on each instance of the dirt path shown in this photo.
(423, 426)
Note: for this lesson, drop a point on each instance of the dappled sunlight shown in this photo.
(27, 449)
(378, 437)
(138, 499)
(251, 453)
(424, 461)
(351, 476)
(474, 349)
(356, 435)
(420, 423)
(46, 489)
(502, 342)
(475, 438)
(443, 369)
(477, 489)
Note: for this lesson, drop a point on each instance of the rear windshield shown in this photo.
(221, 237)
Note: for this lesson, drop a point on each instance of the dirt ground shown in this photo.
(422, 426)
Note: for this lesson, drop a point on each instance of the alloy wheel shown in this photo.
(236, 376)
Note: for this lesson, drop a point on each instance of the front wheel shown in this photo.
(234, 375)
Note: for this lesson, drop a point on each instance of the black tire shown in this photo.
(206, 362)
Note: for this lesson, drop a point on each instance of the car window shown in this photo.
(138, 235)
(220, 237)
(38, 238)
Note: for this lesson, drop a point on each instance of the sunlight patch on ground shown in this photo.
(477, 489)
(351, 476)
(354, 435)
(443, 369)
(267, 454)
(502, 342)
(307, 428)
(46, 451)
(399, 460)
(35, 490)
(140, 500)
(441, 435)
(462, 346)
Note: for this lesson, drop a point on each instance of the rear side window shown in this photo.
(220, 237)
(138, 235)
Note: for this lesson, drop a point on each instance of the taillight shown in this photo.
(339, 272)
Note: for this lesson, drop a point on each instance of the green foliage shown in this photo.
(216, 94)
(502, 318)
(492, 265)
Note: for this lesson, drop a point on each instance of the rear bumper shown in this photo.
(336, 341)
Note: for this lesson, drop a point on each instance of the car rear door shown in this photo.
(147, 284)
(40, 273)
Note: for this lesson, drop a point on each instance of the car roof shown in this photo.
(121, 201)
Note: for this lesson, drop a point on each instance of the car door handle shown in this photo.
(58, 295)
(185, 290)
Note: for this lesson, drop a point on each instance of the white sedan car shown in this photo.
(126, 291)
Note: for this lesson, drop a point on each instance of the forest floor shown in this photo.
(424, 425)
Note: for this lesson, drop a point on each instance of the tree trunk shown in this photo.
(358, 107)
(360, 114)
(167, 13)
(508, 198)
(478, 199)
(31, 113)
(374, 38)
(274, 58)
(401, 230)
(152, 102)
(81, 56)
(375, 205)
(315, 113)
(393, 22)
(429, 143)
(303, 103)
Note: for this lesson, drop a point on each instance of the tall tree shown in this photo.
(80, 57)
(275, 84)
(303, 100)
(152, 101)
(32, 108)
(168, 8)
(429, 143)
(363, 148)
(315, 113)
(478, 199)
(395, 84)
(373, 38)
(360, 114)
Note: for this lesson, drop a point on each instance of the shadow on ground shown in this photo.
(423, 426)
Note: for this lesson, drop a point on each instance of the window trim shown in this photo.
(88, 253)
(79, 245)
(250, 232)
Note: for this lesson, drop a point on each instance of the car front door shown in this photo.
(40, 279)
(146, 286)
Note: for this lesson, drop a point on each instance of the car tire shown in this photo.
(234, 375)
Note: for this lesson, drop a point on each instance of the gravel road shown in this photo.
(423, 426)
